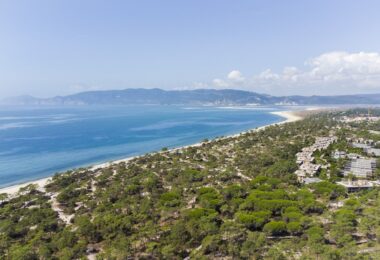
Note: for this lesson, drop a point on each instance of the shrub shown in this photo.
(315, 235)
(292, 216)
(254, 220)
(275, 228)
(209, 198)
(294, 228)
(170, 199)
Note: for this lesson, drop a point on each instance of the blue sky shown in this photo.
(57, 47)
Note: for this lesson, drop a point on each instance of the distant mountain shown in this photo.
(189, 97)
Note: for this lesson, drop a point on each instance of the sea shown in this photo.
(37, 142)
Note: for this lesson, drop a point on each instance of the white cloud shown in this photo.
(268, 75)
(220, 83)
(329, 73)
(233, 79)
(236, 76)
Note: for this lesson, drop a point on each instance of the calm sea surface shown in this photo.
(37, 142)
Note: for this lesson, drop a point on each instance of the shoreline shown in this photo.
(289, 116)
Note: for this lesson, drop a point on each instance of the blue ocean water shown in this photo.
(37, 142)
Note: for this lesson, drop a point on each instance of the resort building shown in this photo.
(363, 141)
(361, 145)
(358, 119)
(339, 155)
(311, 180)
(305, 158)
(310, 168)
(322, 143)
(358, 185)
(361, 168)
(301, 175)
(353, 156)
(373, 151)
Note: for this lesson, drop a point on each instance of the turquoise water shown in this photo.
(37, 142)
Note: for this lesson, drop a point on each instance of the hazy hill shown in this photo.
(188, 97)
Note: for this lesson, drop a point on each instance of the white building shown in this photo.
(361, 145)
(311, 180)
(305, 158)
(361, 168)
(339, 155)
(353, 186)
(373, 151)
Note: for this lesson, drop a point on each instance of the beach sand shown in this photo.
(12, 190)
(289, 116)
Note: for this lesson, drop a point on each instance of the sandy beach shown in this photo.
(11, 190)
(289, 116)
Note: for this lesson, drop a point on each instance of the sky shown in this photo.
(60, 47)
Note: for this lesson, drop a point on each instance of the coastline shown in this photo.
(289, 116)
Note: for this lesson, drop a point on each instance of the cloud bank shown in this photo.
(329, 73)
